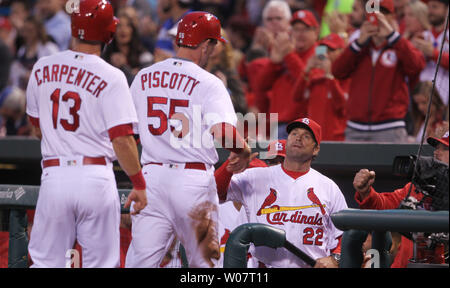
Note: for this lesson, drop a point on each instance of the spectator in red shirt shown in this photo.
(276, 16)
(325, 95)
(287, 61)
(378, 63)
(368, 198)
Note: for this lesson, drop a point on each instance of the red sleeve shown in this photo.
(411, 59)
(338, 97)
(337, 249)
(34, 121)
(229, 138)
(120, 130)
(267, 75)
(347, 62)
(294, 64)
(383, 201)
(223, 179)
(444, 59)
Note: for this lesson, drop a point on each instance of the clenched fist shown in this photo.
(363, 181)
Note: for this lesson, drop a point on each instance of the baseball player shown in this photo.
(83, 109)
(182, 109)
(291, 196)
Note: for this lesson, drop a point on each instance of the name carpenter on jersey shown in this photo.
(71, 75)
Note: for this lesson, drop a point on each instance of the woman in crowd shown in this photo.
(421, 96)
(126, 51)
(36, 45)
(416, 19)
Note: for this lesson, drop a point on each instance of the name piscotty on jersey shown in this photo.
(171, 80)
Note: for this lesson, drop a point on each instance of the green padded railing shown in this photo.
(356, 223)
(259, 234)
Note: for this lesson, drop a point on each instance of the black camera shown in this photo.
(429, 176)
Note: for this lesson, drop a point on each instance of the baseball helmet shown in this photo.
(197, 27)
(94, 21)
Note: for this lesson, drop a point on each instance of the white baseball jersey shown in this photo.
(302, 207)
(77, 98)
(177, 103)
(427, 74)
(229, 219)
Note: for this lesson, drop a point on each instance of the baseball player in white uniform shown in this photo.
(83, 109)
(291, 196)
(181, 110)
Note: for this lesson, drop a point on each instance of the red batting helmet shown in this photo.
(94, 21)
(197, 27)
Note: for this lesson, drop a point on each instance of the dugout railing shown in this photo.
(355, 223)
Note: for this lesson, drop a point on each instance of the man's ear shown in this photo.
(316, 150)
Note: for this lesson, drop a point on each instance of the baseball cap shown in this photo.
(388, 5)
(5, 24)
(305, 16)
(257, 163)
(433, 141)
(308, 124)
(333, 41)
(277, 148)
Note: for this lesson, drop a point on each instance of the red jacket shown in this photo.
(383, 201)
(278, 81)
(378, 93)
(326, 102)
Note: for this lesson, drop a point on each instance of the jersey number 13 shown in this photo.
(73, 110)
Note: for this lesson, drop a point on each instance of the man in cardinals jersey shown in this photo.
(291, 196)
(83, 108)
(181, 109)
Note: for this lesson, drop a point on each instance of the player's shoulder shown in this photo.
(261, 172)
(50, 59)
(324, 180)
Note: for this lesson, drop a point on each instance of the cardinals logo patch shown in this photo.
(315, 200)
(268, 201)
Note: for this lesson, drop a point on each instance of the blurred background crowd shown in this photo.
(360, 79)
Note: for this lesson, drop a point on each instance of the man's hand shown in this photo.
(337, 22)
(385, 28)
(324, 64)
(326, 262)
(423, 45)
(263, 39)
(284, 45)
(367, 31)
(239, 162)
(363, 181)
(139, 197)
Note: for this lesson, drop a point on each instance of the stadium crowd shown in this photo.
(272, 63)
(360, 79)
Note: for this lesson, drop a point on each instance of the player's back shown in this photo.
(76, 97)
(177, 102)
